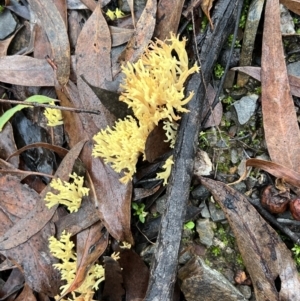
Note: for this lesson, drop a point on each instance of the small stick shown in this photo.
(36, 104)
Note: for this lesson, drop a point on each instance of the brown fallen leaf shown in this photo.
(113, 286)
(26, 294)
(41, 45)
(25, 71)
(206, 6)
(168, 17)
(255, 73)
(279, 115)
(135, 274)
(265, 256)
(56, 32)
(113, 199)
(279, 171)
(73, 125)
(119, 35)
(131, 6)
(12, 285)
(73, 223)
(8, 145)
(62, 9)
(156, 143)
(143, 33)
(93, 48)
(32, 255)
(293, 5)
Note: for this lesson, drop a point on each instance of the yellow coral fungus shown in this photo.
(153, 88)
(164, 175)
(70, 194)
(171, 132)
(63, 250)
(117, 14)
(53, 116)
(121, 146)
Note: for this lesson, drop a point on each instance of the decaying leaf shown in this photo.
(266, 257)
(168, 17)
(33, 255)
(26, 71)
(56, 32)
(93, 48)
(206, 6)
(113, 198)
(293, 5)
(143, 33)
(278, 109)
(120, 35)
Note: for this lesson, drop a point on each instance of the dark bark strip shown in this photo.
(164, 263)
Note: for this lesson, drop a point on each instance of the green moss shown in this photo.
(215, 251)
(204, 23)
(237, 44)
(296, 254)
(218, 71)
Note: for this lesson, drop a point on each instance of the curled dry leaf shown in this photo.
(206, 6)
(279, 171)
(273, 201)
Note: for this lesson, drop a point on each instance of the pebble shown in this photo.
(245, 107)
(205, 229)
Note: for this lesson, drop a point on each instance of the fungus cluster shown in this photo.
(154, 88)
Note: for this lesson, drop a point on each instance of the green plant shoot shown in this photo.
(190, 225)
(139, 211)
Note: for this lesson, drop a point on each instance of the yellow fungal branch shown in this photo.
(63, 249)
(121, 146)
(53, 116)
(154, 88)
(70, 194)
(117, 14)
(164, 175)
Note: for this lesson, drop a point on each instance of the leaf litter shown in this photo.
(27, 224)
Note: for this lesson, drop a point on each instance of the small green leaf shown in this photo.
(189, 225)
(10, 113)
